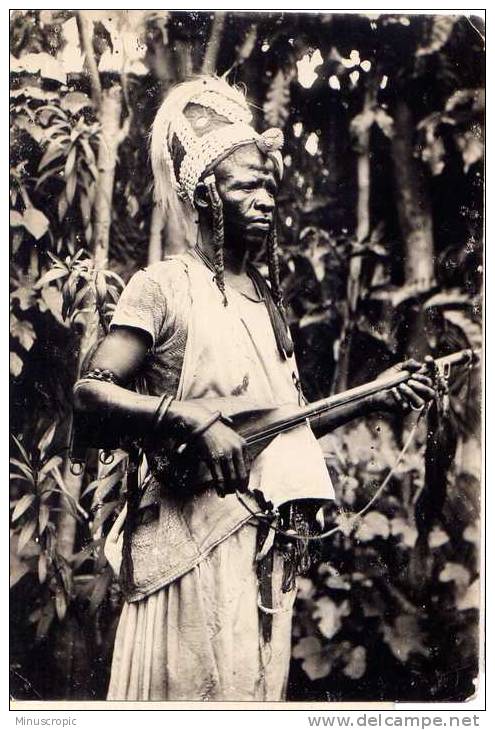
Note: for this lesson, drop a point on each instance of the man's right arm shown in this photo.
(121, 355)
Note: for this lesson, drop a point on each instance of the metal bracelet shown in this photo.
(161, 410)
(199, 431)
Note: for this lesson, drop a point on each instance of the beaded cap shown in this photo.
(199, 123)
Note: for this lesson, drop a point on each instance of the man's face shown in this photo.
(247, 185)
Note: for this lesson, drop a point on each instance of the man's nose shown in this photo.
(264, 201)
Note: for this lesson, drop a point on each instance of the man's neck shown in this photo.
(235, 260)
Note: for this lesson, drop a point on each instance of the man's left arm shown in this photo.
(415, 393)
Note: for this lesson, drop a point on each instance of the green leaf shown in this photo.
(70, 187)
(23, 331)
(74, 101)
(60, 604)
(355, 668)
(70, 162)
(16, 218)
(316, 661)
(103, 513)
(52, 152)
(105, 486)
(42, 568)
(51, 275)
(24, 468)
(52, 463)
(101, 287)
(457, 573)
(470, 598)
(374, 524)
(440, 30)
(22, 505)
(52, 299)
(43, 518)
(46, 440)
(26, 534)
(15, 364)
(35, 222)
(102, 584)
(22, 451)
(62, 206)
(404, 637)
(329, 615)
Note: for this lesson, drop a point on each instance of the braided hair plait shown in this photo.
(274, 267)
(218, 234)
(280, 324)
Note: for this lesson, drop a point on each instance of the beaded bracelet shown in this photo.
(104, 375)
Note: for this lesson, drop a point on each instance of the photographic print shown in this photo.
(246, 277)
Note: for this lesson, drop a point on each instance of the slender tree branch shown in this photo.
(211, 54)
(87, 47)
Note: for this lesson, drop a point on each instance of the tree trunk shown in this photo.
(413, 204)
(415, 220)
(111, 136)
(211, 54)
(363, 174)
(110, 110)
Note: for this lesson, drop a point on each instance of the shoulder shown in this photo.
(162, 280)
(169, 275)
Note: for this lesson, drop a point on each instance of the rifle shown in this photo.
(258, 426)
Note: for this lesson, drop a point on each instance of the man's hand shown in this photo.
(415, 393)
(220, 447)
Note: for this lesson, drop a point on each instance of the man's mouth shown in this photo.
(263, 224)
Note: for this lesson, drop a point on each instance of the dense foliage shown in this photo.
(380, 217)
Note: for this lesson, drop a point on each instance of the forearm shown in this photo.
(127, 413)
(338, 416)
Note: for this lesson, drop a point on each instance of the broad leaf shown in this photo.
(35, 222)
(15, 364)
(22, 505)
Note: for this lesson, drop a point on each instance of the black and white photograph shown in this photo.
(246, 357)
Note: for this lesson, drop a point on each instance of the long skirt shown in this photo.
(200, 637)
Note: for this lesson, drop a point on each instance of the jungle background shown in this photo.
(381, 228)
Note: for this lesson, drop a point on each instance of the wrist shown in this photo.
(183, 417)
(383, 401)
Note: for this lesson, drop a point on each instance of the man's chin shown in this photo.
(255, 240)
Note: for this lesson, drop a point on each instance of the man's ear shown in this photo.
(201, 196)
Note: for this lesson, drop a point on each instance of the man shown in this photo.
(209, 589)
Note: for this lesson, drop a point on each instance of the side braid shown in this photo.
(218, 234)
(274, 268)
(279, 318)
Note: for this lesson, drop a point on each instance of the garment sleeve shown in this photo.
(142, 305)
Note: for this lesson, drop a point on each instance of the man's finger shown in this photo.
(412, 365)
(421, 379)
(242, 470)
(240, 466)
(217, 474)
(424, 390)
(229, 471)
(412, 397)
